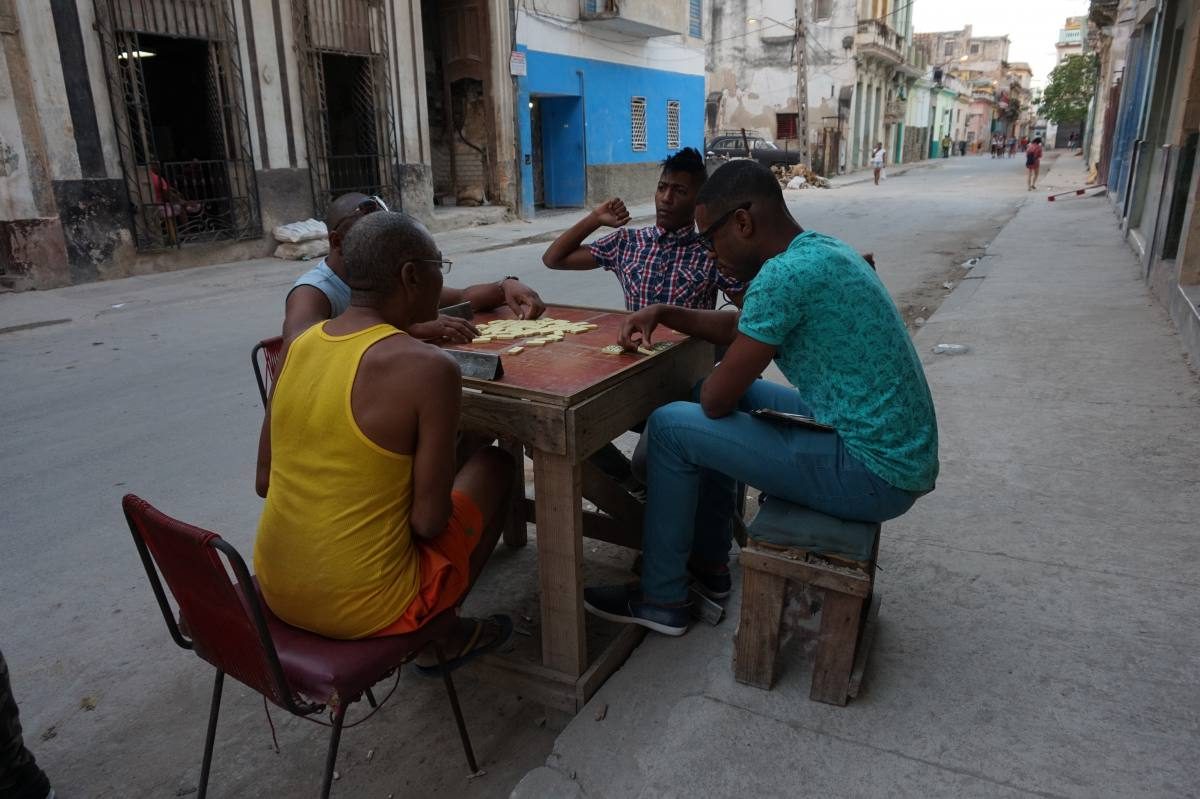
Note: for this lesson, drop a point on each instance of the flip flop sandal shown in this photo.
(472, 649)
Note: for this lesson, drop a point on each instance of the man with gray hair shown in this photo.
(369, 527)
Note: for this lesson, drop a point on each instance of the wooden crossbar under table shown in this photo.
(564, 401)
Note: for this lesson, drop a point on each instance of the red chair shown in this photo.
(267, 351)
(225, 623)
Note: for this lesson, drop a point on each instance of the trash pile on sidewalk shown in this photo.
(798, 176)
(299, 241)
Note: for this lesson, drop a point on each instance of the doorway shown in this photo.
(352, 147)
(560, 179)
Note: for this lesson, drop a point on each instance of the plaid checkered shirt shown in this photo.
(655, 266)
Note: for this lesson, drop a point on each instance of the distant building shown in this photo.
(859, 69)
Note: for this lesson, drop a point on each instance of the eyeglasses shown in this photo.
(443, 263)
(707, 234)
(368, 205)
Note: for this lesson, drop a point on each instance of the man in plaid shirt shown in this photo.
(663, 263)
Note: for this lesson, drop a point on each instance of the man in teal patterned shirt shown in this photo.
(817, 309)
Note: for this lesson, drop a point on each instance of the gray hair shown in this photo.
(379, 245)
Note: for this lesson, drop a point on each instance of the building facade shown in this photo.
(605, 91)
(857, 70)
(1144, 135)
(141, 135)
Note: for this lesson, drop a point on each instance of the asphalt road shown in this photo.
(148, 389)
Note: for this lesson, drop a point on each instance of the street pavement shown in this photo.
(1034, 632)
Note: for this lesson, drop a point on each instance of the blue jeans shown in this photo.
(694, 463)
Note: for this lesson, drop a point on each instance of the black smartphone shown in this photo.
(796, 419)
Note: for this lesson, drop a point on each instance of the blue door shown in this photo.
(563, 155)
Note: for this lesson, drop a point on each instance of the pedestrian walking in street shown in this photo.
(818, 310)
(20, 776)
(962, 147)
(1024, 143)
(878, 158)
(946, 145)
(1033, 162)
(1012, 146)
(1071, 142)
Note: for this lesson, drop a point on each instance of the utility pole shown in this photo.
(802, 85)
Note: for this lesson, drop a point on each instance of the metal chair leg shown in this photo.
(211, 736)
(371, 699)
(335, 737)
(458, 717)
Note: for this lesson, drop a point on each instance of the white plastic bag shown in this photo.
(295, 232)
(303, 250)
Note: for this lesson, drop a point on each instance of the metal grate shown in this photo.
(785, 126)
(695, 21)
(672, 124)
(347, 29)
(181, 202)
(637, 124)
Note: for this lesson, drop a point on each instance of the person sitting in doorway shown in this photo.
(322, 292)
(369, 528)
(661, 263)
(816, 308)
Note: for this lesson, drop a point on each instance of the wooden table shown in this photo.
(563, 402)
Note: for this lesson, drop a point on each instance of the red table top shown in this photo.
(562, 371)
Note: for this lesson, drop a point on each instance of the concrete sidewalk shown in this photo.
(1038, 630)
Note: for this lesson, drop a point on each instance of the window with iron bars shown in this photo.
(785, 126)
(695, 18)
(637, 123)
(673, 124)
(823, 9)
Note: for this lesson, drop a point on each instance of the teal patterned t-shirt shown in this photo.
(841, 342)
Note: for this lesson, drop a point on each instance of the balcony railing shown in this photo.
(875, 38)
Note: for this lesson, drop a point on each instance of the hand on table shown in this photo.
(638, 327)
(612, 213)
(523, 301)
(444, 329)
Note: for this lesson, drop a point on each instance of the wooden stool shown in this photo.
(836, 558)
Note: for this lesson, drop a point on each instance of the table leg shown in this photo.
(515, 534)
(558, 489)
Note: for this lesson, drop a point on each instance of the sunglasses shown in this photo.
(443, 263)
(706, 236)
(368, 205)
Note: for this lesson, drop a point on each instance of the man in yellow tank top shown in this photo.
(368, 528)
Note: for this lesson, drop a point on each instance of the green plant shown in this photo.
(1070, 90)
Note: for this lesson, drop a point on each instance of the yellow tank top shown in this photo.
(334, 552)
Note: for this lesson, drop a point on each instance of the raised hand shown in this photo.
(612, 212)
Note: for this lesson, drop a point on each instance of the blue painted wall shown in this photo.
(606, 89)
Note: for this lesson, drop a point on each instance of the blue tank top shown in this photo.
(326, 281)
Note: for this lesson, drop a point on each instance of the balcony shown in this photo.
(644, 19)
(876, 40)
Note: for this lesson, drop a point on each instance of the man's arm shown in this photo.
(304, 307)
(262, 474)
(717, 327)
(743, 363)
(568, 252)
(434, 465)
(523, 300)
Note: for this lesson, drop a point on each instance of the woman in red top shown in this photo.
(1033, 162)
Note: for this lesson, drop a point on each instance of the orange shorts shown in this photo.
(445, 567)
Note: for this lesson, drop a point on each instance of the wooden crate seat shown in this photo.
(833, 557)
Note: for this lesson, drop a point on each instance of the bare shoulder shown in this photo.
(410, 362)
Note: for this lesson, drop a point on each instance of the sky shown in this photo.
(1031, 25)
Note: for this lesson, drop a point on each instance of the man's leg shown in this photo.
(694, 462)
(486, 478)
(20, 777)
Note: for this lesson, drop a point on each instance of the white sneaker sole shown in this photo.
(674, 632)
